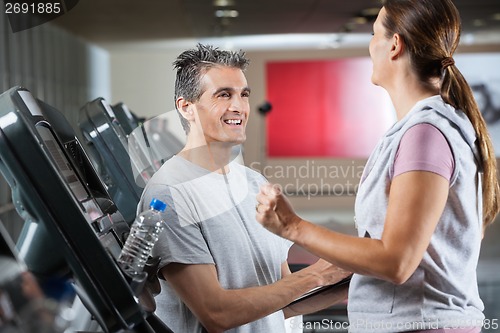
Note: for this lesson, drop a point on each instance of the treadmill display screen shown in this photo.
(69, 175)
(62, 163)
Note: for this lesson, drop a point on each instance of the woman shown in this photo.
(428, 190)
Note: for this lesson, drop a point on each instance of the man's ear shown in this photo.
(397, 46)
(185, 108)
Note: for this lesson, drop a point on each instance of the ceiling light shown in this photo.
(366, 15)
(223, 3)
(370, 11)
(478, 23)
(360, 20)
(226, 13)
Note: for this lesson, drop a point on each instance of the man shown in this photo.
(223, 271)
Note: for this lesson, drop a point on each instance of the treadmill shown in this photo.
(106, 142)
(127, 119)
(72, 230)
(126, 151)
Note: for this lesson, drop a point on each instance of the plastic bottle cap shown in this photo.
(158, 205)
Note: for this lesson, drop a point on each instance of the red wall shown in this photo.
(325, 109)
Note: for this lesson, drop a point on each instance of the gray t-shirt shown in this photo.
(210, 219)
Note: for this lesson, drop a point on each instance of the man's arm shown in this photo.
(220, 309)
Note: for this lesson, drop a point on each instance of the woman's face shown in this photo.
(380, 47)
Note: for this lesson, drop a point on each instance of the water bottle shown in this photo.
(143, 236)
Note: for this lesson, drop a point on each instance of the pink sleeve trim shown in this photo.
(424, 148)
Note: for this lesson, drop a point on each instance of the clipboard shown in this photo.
(322, 289)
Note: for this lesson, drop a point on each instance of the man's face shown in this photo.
(223, 108)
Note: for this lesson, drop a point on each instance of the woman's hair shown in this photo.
(191, 65)
(430, 30)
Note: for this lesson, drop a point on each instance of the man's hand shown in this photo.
(327, 272)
